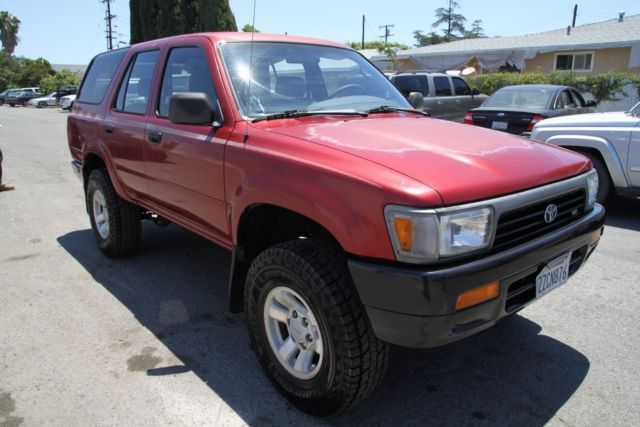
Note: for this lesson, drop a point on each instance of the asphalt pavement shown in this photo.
(148, 340)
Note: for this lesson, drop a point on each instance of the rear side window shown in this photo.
(187, 70)
(99, 76)
(460, 86)
(133, 95)
(408, 84)
(443, 88)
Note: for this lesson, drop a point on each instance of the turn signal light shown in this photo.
(468, 119)
(403, 228)
(478, 295)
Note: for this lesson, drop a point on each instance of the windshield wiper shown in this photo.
(390, 109)
(303, 113)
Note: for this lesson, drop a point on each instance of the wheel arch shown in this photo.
(596, 146)
(260, 226)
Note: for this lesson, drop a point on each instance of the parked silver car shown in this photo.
(44, 101)
(610, 140)
(445, 96)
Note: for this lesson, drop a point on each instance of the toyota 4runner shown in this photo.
(354, 220)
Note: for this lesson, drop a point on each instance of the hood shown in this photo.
(615, 119)
(462, 163)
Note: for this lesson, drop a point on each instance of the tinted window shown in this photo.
(564, 100)
(187, 70)
(133, 95)
(578, 98)
(460, 86)
(99, 75)
(519, 98)
(442, 86)
(408, 84)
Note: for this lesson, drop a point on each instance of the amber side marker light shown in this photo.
(403, 228)
(595, 236)
(478, 295)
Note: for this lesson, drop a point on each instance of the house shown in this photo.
(612, 45)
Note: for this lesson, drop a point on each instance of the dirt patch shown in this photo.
(144, 361)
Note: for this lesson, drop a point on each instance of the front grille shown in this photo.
(527, 223)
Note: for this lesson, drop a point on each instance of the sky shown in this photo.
(73, 31)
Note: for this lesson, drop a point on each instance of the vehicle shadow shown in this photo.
(176, 287)
(622, 212)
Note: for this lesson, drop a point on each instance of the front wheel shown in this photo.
(310, 332)
(114, 221)
(42, 104)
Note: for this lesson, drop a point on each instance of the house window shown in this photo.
(574, 62)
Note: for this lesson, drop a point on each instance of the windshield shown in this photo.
(288, 77)
(519, 98)
(635, 110)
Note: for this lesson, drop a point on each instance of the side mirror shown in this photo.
(591, 104)
(416, 99)
(192, 108)
(475, 91)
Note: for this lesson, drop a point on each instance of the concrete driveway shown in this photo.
(148, 340)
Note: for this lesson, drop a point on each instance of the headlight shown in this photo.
(592, 181)
(420, 236)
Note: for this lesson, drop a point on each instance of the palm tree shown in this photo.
(9, 26)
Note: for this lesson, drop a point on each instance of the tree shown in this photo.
(9, 26)
(151, 19)
(30, 72)
(428, 39)
(377, 44)
(215, 15)
(63, 78)
(476, 30)
(248, 28)
(454, 21)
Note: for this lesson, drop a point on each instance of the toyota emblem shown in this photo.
(550, 213)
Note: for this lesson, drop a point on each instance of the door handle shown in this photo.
(155, 136)
(108, 127)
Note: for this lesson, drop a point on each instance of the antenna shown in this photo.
(253, 32)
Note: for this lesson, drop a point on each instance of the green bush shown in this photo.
(605, 86)
(61, 79)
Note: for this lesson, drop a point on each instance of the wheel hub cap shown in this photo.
(293, 332)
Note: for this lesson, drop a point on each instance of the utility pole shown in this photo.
(108, 19)
(362, 31)
(575, 12)
(387, 33)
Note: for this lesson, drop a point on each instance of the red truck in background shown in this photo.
(355, 221)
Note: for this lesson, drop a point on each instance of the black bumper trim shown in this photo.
(415, 307)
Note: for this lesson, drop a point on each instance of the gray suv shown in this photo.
(445, 96)
(610, 140)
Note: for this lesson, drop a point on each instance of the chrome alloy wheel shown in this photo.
(100, 214)
(293, 332)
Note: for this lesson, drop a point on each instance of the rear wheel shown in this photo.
(309, 329)
(114, 221)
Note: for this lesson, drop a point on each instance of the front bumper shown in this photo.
(415, 307)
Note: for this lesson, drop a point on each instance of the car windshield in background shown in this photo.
(520, 98)
(285, 77)
(635, 110)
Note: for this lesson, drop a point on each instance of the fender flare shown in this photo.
(602, 146)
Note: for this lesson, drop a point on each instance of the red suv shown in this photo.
(354, 220)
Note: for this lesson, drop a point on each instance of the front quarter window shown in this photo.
(282, 77)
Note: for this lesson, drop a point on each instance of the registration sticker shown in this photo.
(553, 275)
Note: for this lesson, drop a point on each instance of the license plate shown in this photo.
(499, 125)
(553, 275)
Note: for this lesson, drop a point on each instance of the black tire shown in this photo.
(12, 105)
(41, 104)
(355, 360)
(604, 180)
(123, 233)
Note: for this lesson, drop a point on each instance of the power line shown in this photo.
(109, 17)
